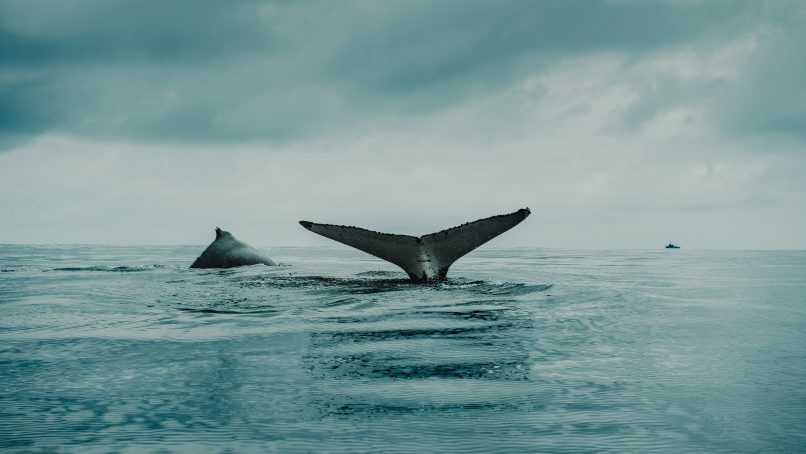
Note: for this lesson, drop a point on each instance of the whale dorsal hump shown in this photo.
(226, 251)
(427, 257)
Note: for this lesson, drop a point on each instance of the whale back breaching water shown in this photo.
(424, 258)
(226, 251)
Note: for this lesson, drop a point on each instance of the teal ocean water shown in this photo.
(125, 349)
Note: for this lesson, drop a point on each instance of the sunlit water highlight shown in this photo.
(529, 350)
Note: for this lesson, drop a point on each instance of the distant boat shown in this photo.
(672, 246)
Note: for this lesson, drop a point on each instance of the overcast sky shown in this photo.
(621, 124)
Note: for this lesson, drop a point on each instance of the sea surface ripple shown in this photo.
(126, 349)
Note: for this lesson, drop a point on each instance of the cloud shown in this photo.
(770, 95)
(620, 123)
(275, 72)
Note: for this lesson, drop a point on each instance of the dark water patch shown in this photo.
(234, 306)
(510, 288)
(369, 367)
(328, 285)
(371, 286)
(245, 311)
(407, 344)
(487, 314)
(387, 274)
(430, 332)
(415, 365)
(342, 302)
(369, 409)
(487, 311)
(114, 269)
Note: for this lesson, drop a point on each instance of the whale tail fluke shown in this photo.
(427, 257)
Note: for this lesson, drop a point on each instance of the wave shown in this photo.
(114, 269)
(245, 311)
(381, 273)
(365, 286)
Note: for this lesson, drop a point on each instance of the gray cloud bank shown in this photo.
(209, 71)
(621, 123)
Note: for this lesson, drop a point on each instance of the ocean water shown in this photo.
(125, 349)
